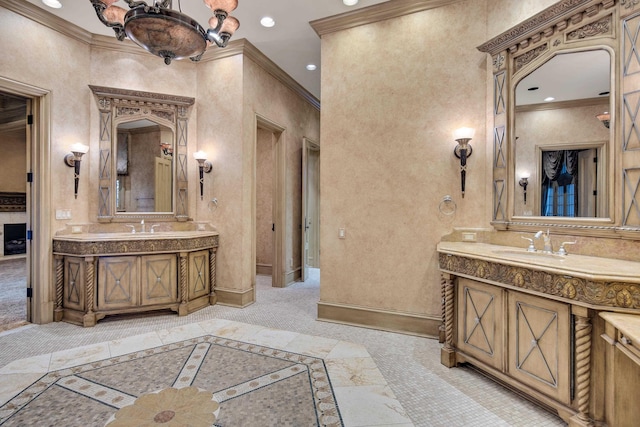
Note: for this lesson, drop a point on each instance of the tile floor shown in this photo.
(379, 378)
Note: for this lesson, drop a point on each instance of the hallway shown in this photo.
(431, 394)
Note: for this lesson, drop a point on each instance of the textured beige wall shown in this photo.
(393, 92)
(264, 197)
(14, 161)
(36, 55)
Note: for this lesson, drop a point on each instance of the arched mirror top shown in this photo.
(588, 37)
(143, 155)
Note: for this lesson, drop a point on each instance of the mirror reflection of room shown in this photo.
(144, 166)
(569, 183)
(560, 141)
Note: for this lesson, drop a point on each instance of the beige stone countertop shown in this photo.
(158, 235)
(628, 324)
(587, 267)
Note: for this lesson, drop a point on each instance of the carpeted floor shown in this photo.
(13, 301)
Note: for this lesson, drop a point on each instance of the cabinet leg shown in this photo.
(583, 368)
(58, 312)
(448, 352)
(213, 298)
(183, 309)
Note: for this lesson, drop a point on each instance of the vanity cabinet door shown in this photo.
(480, 325)
(540, 344)
(117, 282)
(198, 274)
(158, 279)
(74, 284)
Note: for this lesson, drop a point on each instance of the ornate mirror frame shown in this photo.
(121, 105)
(569, 26)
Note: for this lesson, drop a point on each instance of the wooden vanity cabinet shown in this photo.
(523, 338)
(133, 275)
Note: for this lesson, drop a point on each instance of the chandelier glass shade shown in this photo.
(166, 32)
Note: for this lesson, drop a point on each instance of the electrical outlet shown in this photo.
(342, 233)
(468, 237)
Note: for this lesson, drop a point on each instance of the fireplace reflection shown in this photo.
(15, 239)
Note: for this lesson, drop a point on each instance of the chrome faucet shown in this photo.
(153, 227)
(133, 228)
(142, 226)
(548, 247)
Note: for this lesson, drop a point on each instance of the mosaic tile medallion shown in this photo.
(255, 386)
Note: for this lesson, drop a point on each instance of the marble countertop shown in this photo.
(587, 267)
(158, 235)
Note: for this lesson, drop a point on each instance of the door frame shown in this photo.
(278, 273)
(39, 249)
(307, 145)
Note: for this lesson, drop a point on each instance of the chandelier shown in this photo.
(165, 32)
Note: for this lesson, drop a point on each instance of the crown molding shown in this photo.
(375, 13)
(544, 22)
(47, 19)
(244, 47)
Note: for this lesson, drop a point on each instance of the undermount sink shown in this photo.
(527, 254)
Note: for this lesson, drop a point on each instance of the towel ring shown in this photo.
(447, 206)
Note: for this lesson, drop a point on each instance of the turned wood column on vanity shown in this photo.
(533, 321)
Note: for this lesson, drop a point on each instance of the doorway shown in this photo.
(14, 214)
(269, 202)
(310, 250)
(39, 296)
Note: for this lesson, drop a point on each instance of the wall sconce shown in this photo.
(73, 161)
(524, 181)
(604, 118)
(167, 149)
(463, 150)
(204, 166)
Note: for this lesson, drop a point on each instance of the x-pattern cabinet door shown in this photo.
(539, 344)
(480, 331)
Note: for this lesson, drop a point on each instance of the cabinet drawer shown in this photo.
(480, 322)
(631, 348)
(539, 344)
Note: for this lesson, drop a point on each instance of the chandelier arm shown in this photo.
(117, 27)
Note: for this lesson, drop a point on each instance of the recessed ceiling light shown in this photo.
(603, 93)
(534, 88)
(52, 3)
(267, 21)
(549, 99)
(350, 2)
(311, 67)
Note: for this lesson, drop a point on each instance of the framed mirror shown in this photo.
(143, 155)
(562, 137)
(144, 167)
(583, 53)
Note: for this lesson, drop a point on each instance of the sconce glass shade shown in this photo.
(604, 118)
(79, 149)
(464, 133)
(200, 156)
(225, 5)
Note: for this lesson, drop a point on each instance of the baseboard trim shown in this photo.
(264, 269)
(293, 276)
(235, 298)
(412, 324)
